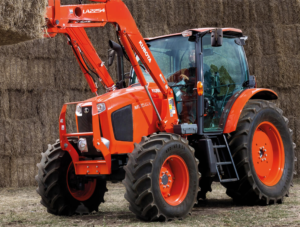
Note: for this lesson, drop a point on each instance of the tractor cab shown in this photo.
(188, 57)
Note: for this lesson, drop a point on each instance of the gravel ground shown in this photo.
(21, 207)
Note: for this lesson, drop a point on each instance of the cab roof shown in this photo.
(229, 31)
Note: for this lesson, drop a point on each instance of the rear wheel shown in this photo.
(162, 178)
(263, 152)
(61, 191)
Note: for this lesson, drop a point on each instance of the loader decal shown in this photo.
(145, 51)
(172, 107)
(142, 105)
(94, 11)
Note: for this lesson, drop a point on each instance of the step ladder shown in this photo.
(230, 162)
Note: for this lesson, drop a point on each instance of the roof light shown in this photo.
(187, 33)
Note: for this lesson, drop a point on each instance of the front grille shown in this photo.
(85, 124)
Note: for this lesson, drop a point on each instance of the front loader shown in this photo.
(188, 114)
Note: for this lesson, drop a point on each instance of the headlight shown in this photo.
(78, 110)
(82, 145)
(101, 107)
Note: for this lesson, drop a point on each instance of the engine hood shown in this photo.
(131, 94)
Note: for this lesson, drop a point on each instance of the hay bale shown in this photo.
(5, 171)
(23, 170)
(21, 20)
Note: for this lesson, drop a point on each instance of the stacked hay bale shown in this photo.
(21, 20)
(37, 77)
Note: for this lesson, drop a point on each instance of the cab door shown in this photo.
(224, 72)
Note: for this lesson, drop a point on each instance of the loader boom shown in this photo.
(71, 21)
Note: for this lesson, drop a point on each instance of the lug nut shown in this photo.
(170, 181)
(166, 172)
(168, 186)
(169, 195)
(161, 183)
(266, 155)
(169, 175)
(164, 186)
(160, 177)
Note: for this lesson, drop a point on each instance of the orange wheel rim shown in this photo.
(174, 180)
(268, 153)
(80, 195)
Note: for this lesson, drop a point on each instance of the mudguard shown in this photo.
(235, 105)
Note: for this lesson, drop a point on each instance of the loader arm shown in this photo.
(71, 21)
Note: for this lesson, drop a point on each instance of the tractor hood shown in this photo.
(122, 97)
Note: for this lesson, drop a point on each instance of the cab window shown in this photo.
(225, 70)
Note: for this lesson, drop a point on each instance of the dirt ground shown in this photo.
(21, 207)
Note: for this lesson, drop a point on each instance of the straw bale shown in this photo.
(21, 20)
(5, 171)
(23, 170)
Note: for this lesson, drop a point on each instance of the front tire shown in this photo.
(56, 185)
(162, 178)
(263, 152)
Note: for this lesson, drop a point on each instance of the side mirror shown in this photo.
(111, 57)
(217, 37)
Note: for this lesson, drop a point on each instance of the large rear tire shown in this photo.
(263, 152)
(56, 185)
(162, 178)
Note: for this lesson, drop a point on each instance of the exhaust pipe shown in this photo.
(116, 47)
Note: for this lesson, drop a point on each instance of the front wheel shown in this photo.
(162, 178)
(61, 191)
(263, 152)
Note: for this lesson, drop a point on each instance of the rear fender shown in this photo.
(236, 105)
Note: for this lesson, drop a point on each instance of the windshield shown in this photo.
(171, 54)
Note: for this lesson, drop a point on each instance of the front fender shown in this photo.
(240, 101)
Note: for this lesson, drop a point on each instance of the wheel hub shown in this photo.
(165, 179)
(262, 153)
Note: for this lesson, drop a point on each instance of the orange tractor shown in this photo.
(190, 115)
